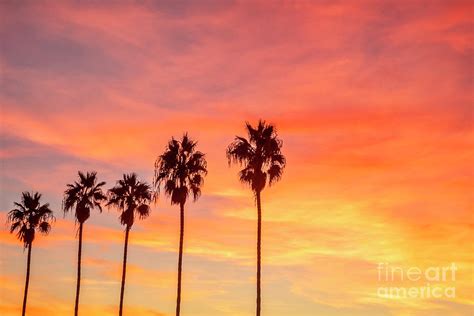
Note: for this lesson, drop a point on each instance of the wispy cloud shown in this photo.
(372, 100)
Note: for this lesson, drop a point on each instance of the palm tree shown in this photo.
(262, 161)
(28, 217)
(83, 196)
(180, 170)
(131, 197)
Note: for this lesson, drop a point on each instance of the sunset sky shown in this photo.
(373, 101)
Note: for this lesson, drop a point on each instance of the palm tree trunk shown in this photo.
(124, 269)
(180, 260)
(259, 252)
(78, 284)
(27, 280)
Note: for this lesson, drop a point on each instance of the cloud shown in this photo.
(371, 100)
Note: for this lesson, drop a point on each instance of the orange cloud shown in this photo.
(370, 99)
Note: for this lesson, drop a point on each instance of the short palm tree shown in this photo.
(28, 217)
(83, 196)
(131, 197)
(180, 171)
(262, 161)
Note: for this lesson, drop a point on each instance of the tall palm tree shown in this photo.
(180, 170)
(28, 217)
(262, 161)
(83, 196)
(131, 197)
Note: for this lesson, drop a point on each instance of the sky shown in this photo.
(372, 99)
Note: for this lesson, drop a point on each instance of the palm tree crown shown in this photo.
(180, 169)
(84, 195)
(260, 155)
(131, 196)
(30, 216)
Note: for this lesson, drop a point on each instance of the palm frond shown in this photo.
(84, 195)
(44, 227)
(178, 169)
(29, 216)
(129, 196)
(260, 155)
(143, 211)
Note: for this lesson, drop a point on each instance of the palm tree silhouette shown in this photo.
(262, 160)
(132, 197)
(28, 217)
(180, 170)
(84, 196)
